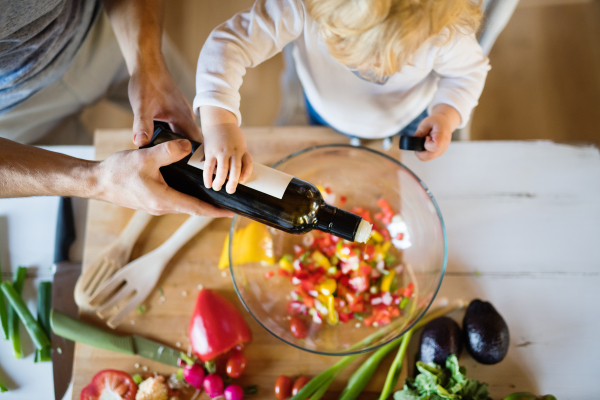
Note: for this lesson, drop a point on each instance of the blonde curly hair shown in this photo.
(384, 35)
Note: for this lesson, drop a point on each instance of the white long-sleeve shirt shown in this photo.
(453, 74)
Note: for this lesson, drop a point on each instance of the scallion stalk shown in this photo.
(321, 391)
(39, 338)
(3, 388)
(13, 318)
(357, 380)
(3, 317)
(396, 368)
(44, 305)
(3, 314)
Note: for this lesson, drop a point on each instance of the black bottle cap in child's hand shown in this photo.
(412, 143)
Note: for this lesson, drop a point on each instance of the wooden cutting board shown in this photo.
(195, 265)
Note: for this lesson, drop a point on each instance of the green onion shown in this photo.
(44, 304)
(3, 388)
(3, 314)
(39, 338)
(13, 319)
(137, 379)
(141, 309)
(160, 291)
(396, 368)
(403, 303)
(321, 392)
(3, 317)
(326, 377)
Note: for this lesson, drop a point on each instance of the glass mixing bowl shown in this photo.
(363, 176)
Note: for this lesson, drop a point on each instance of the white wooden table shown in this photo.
(523, 224)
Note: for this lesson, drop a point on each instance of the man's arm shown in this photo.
(127, 178)
(138, 25)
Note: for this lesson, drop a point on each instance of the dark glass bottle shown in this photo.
(300, 210)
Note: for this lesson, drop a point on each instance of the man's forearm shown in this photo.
(31, 171)
(138, 25)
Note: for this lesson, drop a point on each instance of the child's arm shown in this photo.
(462, 68)
(246, 40)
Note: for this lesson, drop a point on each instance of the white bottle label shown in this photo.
(263, 179)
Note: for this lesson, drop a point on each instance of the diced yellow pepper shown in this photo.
(332, 316)
(385, 247)
(386, 281)
(328, 287)
(376, 236)
(285, 264)
(320, 259)
(252, 243)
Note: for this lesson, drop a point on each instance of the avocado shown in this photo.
(486, 333)
(440, 338)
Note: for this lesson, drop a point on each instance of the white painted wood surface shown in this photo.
(523, 224)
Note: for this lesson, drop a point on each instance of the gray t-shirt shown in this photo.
(38, 42)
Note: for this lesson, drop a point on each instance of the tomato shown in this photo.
(298, 328)
(299, 384)
(236, 365)
(283, 387)
(111, 384)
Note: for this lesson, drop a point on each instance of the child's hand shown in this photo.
(224, 149)
(438, 128)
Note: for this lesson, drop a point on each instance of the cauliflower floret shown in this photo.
(153, 389)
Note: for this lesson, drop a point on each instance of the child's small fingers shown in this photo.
(424, 127)
(425, 155)
(221, 174)
(235, 169)
(247, 167)
(209, 170)
(431, 145)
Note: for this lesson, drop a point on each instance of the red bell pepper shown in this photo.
(216, 326)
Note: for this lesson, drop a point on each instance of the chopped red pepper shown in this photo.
(269, 274)
(343, 200)
(216, 326)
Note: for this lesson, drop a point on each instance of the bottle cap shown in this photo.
(412, 143)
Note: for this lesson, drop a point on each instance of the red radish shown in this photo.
(194, 375)
(234, 392)
(213, 385)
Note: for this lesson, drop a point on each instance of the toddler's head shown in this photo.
(383, 35)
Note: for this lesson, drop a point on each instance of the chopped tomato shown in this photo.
(325, 266)
(110, 384)
(269, 274)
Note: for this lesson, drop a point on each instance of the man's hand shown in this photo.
(138, 26)
(155, 96)
(437, 128)
(224, 149)
(132, 179)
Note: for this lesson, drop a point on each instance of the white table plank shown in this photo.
(517, 206)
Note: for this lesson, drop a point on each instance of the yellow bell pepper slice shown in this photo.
(252, 243)
(286, 264)
(320, 259)
(332, 316)
(386, 281)
(376, 236)
(328, 287)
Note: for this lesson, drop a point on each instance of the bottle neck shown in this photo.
(337, 222)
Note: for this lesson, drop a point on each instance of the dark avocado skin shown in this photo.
(485, 332)
(440, 338)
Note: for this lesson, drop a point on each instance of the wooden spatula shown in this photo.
(116, 256)
(134, 282)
